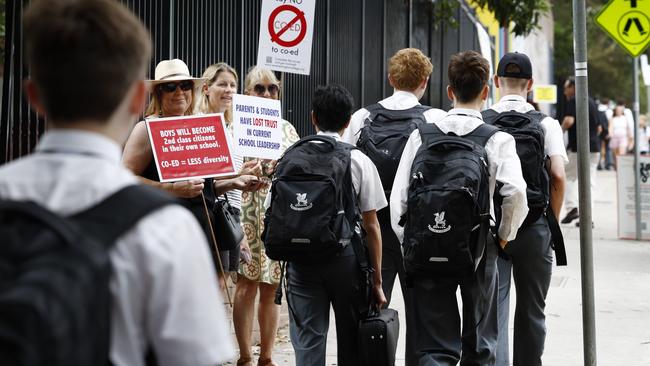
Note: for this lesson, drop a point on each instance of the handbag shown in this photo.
(227, 229)
(377, 341)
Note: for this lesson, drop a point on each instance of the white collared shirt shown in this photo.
(553, 135)
(504, 167)
(365, 180)
(400, 100)
(163, 286)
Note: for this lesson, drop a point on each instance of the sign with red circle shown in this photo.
(286, 35)
(299, 17)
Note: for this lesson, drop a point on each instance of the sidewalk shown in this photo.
(622, 290)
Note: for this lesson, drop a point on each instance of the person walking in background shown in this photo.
(568, 122)
(385, 126)
(530, 256)
(260, 273)
(604, 114)
(644, 135)
(621, 135)
(87, 61)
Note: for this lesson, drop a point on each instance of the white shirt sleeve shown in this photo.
(505, 168)
(554, 139)
(351, 134)
(399, 194)
(366, 182)
(184, 321)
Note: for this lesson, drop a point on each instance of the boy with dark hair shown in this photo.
(87, 61)
(327, 271)
(530, 256)
(456, 250)
(380, 131)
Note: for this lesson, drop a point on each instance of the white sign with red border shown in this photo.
(190, 147)
(257, 126)
(286, 30)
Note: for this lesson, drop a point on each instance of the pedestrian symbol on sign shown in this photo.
(634, 26)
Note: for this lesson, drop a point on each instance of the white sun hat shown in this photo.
(173, 70)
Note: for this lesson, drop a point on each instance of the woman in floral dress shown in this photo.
(259, 272)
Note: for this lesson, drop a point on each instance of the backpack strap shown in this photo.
(489, 115)
(428, 132)
(482, 134)
(415, 112)
(557, 240)
(116, 214)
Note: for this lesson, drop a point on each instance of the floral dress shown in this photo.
(261, 268)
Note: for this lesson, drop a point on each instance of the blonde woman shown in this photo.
(216, 97)
(260, 273)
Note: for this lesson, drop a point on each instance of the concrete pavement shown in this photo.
(622, 291)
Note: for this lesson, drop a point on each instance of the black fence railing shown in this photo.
(352, 43)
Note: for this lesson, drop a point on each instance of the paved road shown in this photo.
(622, 281)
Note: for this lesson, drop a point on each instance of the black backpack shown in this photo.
(313, 213)
(384, 135)
(448, 215)
(527, 130)
(54, 278)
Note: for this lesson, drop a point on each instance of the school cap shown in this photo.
(518, 59)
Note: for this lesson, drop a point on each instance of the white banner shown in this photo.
(626, 198)
(257, 126)
(286, 29)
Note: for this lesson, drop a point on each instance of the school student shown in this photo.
(87, 61)
(323, 189)
(440, 209)
(529, 256)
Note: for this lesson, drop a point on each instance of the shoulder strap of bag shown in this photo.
(116, 214)
(557, 239)
(482, 134)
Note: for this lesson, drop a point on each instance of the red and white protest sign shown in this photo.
(286, 32)
(190, 147)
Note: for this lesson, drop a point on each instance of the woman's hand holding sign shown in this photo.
(186, 188)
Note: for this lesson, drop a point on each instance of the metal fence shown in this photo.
(351, 46)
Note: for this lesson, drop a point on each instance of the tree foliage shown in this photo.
(610, 67)
(524, 14)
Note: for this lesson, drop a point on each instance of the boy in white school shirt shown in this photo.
(439, 340)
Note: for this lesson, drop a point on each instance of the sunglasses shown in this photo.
(260, 89)
(171, 87)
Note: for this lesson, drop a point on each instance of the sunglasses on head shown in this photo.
(261, 89)
(171, 86)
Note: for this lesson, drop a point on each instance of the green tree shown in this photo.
(523, 14)
(610, 67)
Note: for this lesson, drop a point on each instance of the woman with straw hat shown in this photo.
(173, 95)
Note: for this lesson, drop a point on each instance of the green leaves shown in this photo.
(524, 14)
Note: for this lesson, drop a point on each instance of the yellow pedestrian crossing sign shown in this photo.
(628, 23)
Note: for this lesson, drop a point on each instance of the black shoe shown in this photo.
(572, 215)
(578, 224)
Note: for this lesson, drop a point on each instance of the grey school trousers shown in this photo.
(439, 340)
(392, 266)
(530, 264)
(311, 290)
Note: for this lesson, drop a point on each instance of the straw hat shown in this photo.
(173, 70)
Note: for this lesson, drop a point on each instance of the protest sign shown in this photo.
(190, 147)
(257, 126)
(286, 29)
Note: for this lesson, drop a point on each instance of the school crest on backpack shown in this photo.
(448, 205)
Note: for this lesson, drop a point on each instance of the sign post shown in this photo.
(286, 29)
(628, 23)
(586, 242)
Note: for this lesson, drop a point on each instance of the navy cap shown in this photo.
(518, 59)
